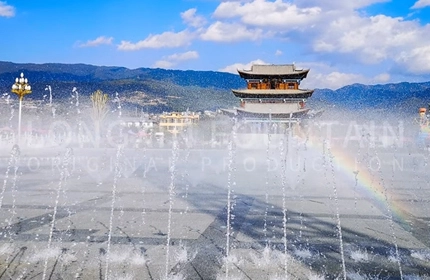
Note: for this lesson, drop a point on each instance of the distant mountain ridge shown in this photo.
(194, 90)
(50, 72)
(401, 96)
(171, 89)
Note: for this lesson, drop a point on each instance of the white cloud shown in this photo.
(322, 75)
(163, 64)
(266, 13)
(421, 4)
(335, 79)
(329, 27)
(373, 39)
(332, 80)
(331, 30)
(338, 79)
(183, 56)
(190, 18)
(339, 4)
(6, 10)
(174, 59)
(230, 32)
(233, 68)
(102, 40)
(323, 45)
(416, 60)
(382, 78)
(163, 40)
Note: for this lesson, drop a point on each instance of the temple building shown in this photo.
(272, 93)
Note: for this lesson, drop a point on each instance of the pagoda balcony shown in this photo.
(273, 93)
(272, 85)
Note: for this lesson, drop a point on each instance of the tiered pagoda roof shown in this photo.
(284, 71)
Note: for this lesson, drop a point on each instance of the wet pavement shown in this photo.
(302, 210)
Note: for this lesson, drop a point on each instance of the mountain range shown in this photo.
(176, 90)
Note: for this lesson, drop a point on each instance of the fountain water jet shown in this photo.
(283, 155)
(172, 168)
(63, 177)
(48, 87)
(230, 183)
(266, 195)
(117, 175)
(13, 161)
(391, 220)
(75, 90)
(118, 101)
(336, 201)
(16, 152)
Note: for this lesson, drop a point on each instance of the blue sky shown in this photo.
(342, 42)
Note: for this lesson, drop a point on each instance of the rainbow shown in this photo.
(424, 132)
(364, 179)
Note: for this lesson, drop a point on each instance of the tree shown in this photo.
(100, 110)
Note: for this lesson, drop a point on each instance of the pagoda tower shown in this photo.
(272, 93)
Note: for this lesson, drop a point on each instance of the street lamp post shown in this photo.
(20, 88)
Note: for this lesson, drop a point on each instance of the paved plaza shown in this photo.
(300, 211)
